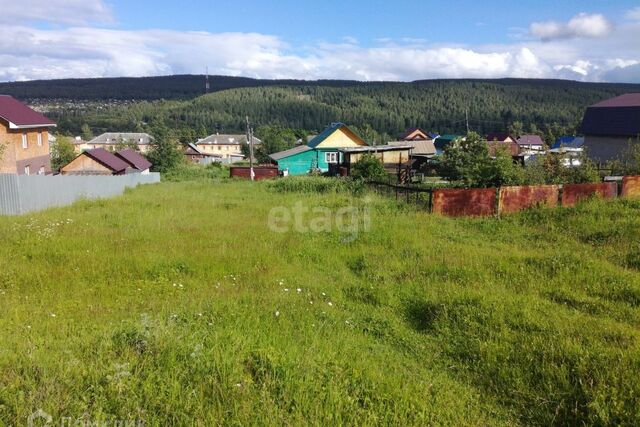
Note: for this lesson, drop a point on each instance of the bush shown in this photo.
(369, 168)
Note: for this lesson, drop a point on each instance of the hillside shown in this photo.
(438, 105)
(178, 304)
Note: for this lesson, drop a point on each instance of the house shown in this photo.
(415, 134)
(610, 125)
(96, 162)
(135, 160)
(194, 155)
(500, 137)
(531, 143)
(113, 140)
(24, 134)
(228, 147)
(337, 146)
(443, 141)
(321, 153)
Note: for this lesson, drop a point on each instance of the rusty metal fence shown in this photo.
(20, 194)
(506, 200)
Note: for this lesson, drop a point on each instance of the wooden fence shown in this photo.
(506, 200)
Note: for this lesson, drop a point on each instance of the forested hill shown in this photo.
(143, 88)
(437, 105)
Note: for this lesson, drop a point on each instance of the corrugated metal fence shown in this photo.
(20, 194)
(505, 200)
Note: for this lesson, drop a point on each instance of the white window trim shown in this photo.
(331, 155)
(25, 141)
(27, 170)
(39, 139)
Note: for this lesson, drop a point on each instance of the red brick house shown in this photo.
(24, 135)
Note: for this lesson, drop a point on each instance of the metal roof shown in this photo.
(569, 142)
(619, 116)
(418, 148)
(107, 159)
(375, 148)
(626, 100)
(530, 140)
(20, 116)
(498, 136)
(217, 139)
(139, 138)
(134, 158)
(291, 152)
(333, 127)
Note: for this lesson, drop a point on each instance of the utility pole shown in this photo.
(206, 84)
(250, 141)
(466, 115)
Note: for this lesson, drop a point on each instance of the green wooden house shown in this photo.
(321, 152)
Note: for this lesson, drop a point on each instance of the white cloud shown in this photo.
(583, 25)
(633, 14)
(55, 11)
(83, 51)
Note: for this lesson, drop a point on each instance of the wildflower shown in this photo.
(53, 315)
(299, 290)
(286, 289)
(277, 313)
(324, 295)
(238, 385)
(330, 304)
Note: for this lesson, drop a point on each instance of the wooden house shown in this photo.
(96, 162)
(24, 139)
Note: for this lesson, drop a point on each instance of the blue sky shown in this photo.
(452, 21)
(588, 40)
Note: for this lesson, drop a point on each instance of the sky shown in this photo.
(401, 40)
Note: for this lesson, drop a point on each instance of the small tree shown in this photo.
(369, 168)
(62, 152)
(85, 132)
(165, 153)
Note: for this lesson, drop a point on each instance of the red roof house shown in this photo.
(96, 162)
(24, 137)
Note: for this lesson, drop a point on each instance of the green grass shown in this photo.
(160, 305)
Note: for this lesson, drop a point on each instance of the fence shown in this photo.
(20, 194)
(506, 200)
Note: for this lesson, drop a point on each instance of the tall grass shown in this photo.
(176, 304)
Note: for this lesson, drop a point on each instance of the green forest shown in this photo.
(386, 109)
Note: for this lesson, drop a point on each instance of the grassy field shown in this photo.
(178, 304)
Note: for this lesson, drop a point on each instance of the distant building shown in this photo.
(194, 155)
(228, 147)
(608, 126)
(96, 162)
(500, 137)
(416, 134)
(111, 141)
(531, 143)
(24, 133)
(569, 142)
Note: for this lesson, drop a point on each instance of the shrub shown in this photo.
(369, 168)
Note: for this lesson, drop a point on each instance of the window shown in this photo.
(39, 139)
(41, 171)
(331, 157)
(27, 170)
(25, 144)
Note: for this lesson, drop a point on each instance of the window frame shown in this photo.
(328, 155)
(25, 141)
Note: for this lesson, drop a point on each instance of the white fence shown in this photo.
(20, 194)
